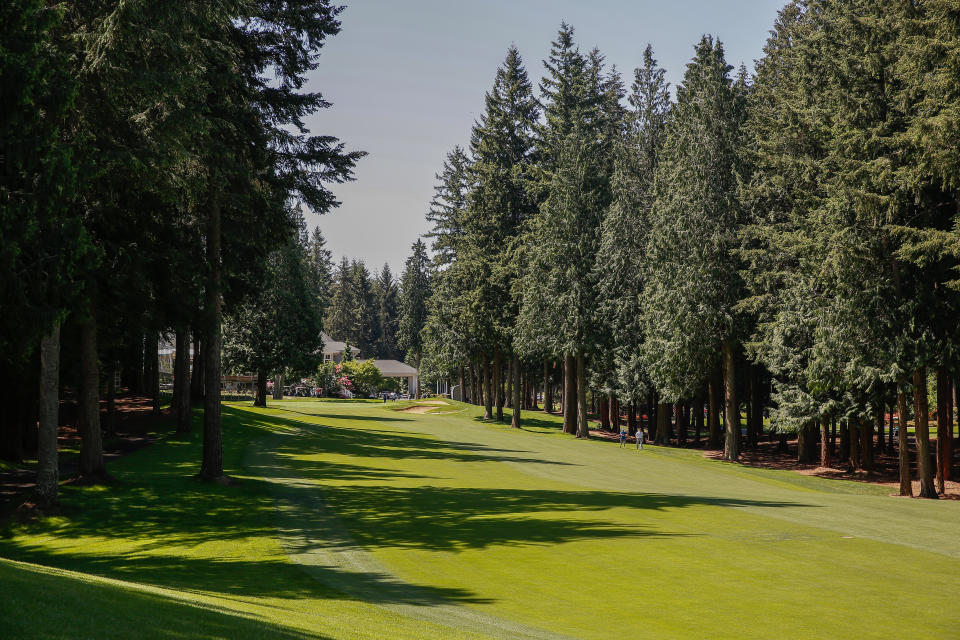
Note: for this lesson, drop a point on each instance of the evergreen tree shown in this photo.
(364, 334)
(447, 207)
(500, 204)
(385, 292)
(341, 320)
(320, 270)
(279, 328)
(620, 261)
(692, 284)
(414, 293)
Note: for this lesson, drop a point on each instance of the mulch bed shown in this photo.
(886, 471)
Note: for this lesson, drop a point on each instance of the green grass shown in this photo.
(352, 520)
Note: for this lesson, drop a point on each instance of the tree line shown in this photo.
(154, 158)
(779, 245)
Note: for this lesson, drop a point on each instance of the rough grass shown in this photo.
(351, 520)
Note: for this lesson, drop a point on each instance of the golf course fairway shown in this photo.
(356, 520)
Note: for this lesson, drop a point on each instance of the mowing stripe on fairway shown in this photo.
(316, 539)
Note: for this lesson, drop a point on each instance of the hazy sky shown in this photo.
(407, 80)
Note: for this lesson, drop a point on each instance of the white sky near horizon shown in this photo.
(407, 79)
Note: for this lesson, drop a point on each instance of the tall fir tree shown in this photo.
(692, 279)
(414, 293)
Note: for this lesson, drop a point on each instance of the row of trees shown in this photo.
(151, 153)
(782, 242)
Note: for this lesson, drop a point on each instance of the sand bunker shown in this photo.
(424, 406)
(419, 408)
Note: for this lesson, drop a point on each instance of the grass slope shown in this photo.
(352, 520)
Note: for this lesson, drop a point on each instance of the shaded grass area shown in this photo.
(59, 604)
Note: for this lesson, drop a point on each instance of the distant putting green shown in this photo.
(355, 520)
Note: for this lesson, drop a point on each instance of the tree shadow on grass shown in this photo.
(475, 518)
(273, 578)
(376, 443)
(115, 611)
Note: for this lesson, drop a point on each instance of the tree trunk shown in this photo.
(756, 405)
(570, 396)
(533, 391)
(833, 436)
(903, 449)
(663, 424)
(880, 420)
(697, 419)
(278, 387)
(463, 388)
(714, 410)
(731, 447)
(487, 381)
(212, 467)
(498, 383)
(631, 418)
(678, 420)
(853, 428)
(151, 370)
(890, 429)
(48, 473)
(181, 382)
(844, 453)
(921, 433)
(944, 427)
(866, 445)
(583, 427)
(615, 413)
(748, 404)
(196, 372)
(824, 443)
(803, 445)
(111, 419)
(547, 387)
(517, 388)
(260, 399)
(91, 438)
(604, 411)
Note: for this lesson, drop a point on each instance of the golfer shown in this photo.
(623, 438)
(639, 438)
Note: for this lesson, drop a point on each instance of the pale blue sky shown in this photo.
(407, 79)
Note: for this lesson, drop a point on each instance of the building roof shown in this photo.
(335, 346)
(394, 368)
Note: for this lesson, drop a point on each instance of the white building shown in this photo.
(333, 349)
(397, 369)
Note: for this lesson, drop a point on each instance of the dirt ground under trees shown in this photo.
(135, 426)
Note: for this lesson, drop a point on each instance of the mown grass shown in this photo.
(393, 515)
